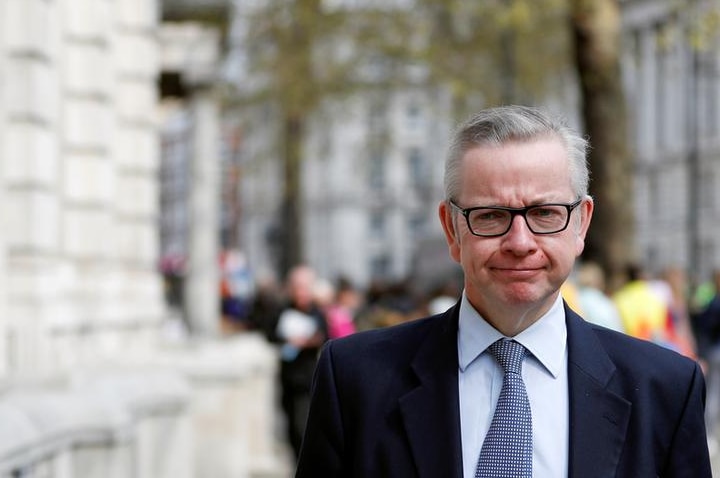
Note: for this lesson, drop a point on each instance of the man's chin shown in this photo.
(525, 294)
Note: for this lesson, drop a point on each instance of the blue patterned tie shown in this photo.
(507, 449)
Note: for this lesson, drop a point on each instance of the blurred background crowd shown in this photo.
(661, 308)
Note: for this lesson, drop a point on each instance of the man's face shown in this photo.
(519, 271)
(300, 287)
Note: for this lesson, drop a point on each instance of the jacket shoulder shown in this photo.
(641, 364)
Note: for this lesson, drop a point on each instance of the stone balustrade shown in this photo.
(233, 382)
(192, 410)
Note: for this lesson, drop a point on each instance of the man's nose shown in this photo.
(519, 239)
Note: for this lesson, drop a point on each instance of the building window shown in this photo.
(654, 208)
(377, 225)
(380, 266)
(416, 224)
(662, 74)
(416, 168)
(376, 174)
(707, 94)
(377, 114)
(708, 194)
(413, 115)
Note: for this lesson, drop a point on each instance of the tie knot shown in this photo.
(509, 354)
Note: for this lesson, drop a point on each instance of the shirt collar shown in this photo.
(546, 339)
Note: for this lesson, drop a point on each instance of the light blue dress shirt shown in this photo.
(546, 380)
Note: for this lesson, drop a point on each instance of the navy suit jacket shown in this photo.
(385, 404)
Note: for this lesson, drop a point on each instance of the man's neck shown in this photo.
(510, 321)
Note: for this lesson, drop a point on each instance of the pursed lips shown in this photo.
(518, 271)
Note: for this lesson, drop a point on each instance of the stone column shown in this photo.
(202, 281)
(3, 293)
(3, 218)
(138, 304)
(89, 230)
(30, 168)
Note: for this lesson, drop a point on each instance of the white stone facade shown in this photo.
(79, 160)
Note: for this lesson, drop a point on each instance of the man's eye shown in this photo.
(490, 215)
(544, 212)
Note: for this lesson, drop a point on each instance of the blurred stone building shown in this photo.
(672, 77)
(92, 381)
(371, 185)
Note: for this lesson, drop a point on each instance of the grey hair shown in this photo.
(496, 126)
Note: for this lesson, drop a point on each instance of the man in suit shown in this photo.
(418, 399)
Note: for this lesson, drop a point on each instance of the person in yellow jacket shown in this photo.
(643, 312)
(570, 293)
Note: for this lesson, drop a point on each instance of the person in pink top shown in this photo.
(340, 313)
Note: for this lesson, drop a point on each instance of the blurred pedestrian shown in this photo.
(340, 313)
(643, 312)
(387, 304)
(444, 297)
(236, 289)
(301, 331)
(265, 306)
(597, 306)
(571, 296)
(708, 323)
(672, 287)
(430, 397)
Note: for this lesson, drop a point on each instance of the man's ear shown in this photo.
(586, 210)
(451, 234)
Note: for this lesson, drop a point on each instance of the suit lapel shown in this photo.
(598, 417)
(430, 411)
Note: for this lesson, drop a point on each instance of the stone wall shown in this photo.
(79, 160)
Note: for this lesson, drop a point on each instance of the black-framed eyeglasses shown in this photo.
(492, 221)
